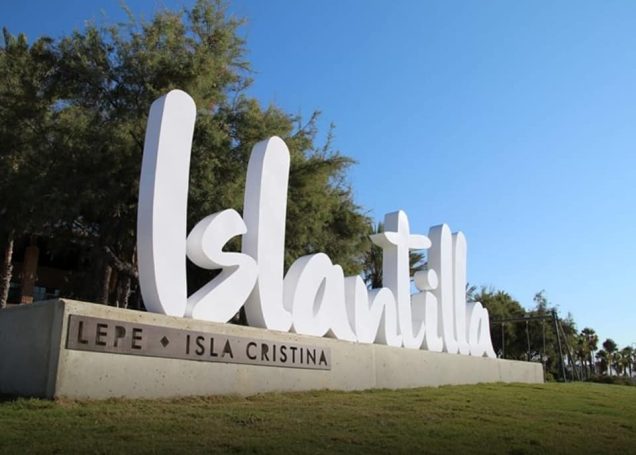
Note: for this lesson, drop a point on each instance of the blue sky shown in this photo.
(514, 122)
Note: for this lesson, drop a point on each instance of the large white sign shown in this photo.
(314, 297)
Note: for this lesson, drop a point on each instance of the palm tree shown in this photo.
(610, 347)
(592, 343)
(372, 262)
(603, 361)
(471, 292)
(582, 352)
(617, 362)
(627, 358)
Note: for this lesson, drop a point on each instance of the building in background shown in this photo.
(39, 272)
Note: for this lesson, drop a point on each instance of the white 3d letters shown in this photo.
(426, 308)
(314, 298)
(396, 243)
(440, 260)
(265, 209)
(224, 296)
(163, 197)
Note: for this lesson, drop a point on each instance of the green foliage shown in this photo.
(627, 360)
(610, 346)
(536, 340)
(586, 345)
(532, 339)
(94, 88)
(509, 341)
(615, 380)
(612, 360)
(603, 359)
(107, 78)
(26, 117)
(26, 101)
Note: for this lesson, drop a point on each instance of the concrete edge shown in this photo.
(383, 365)
(56, 344)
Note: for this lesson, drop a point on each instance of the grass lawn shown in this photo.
(488, 418)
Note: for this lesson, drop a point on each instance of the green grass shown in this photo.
(488, 418)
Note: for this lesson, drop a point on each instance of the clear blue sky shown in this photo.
(512, 121)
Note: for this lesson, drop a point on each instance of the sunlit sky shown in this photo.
(514, 122)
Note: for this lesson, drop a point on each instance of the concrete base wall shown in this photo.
(29, 348)
(34, 361)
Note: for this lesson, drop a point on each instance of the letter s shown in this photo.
(223, 296)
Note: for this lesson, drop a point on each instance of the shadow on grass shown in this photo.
(8, 398)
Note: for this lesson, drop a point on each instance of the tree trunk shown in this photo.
(105, 291)
(90, 284)
(123, 290)
(6, 272)
(29, 271)
(583, 367)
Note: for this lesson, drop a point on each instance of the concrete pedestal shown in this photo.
(51, 349)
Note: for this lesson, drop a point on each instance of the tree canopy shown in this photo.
(87, 96)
